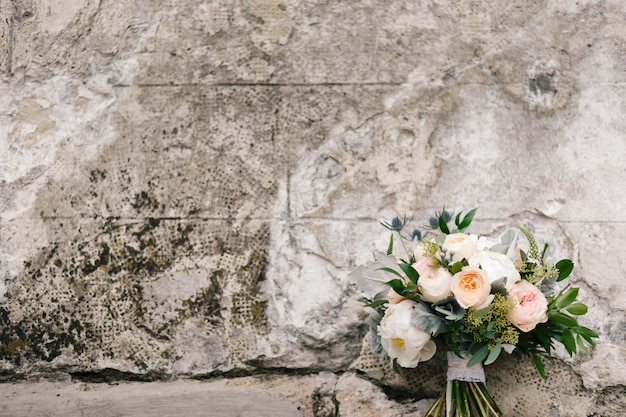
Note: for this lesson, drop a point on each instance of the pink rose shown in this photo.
(531, 306)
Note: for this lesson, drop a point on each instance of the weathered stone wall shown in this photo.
(184, 186)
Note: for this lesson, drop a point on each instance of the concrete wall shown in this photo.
(184, 186)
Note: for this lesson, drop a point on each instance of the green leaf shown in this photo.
(376, 303)
(457, 219)
(467, 220)
(587, 334)
(397, 285)
(569, 342)
(566, 298)
(539, 365)
(390, 247)
(581, 344)
(481, 312)
(545, 340)
(565, 267)
(479, 356)
(563, 319)
(577, 309)
(493, 355)
(409, 271)
(391, 271)
(442, 225)
(457, 266)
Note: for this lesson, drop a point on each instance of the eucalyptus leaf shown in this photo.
(481, 312)
(478, 356)
(509, 239)
(493, 354)
(449, 308)
(499, 286)
(375, 342)
(370, 279)
(547, 287)
(423, 318)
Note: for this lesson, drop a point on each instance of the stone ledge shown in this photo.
(179, 398)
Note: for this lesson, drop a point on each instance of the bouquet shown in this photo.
(470, 297)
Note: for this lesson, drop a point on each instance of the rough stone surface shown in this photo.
(184, 186)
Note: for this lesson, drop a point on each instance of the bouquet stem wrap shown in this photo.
(465, 393)
(458, 370)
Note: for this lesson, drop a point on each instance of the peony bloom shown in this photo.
(497, 265)
(434, 282)
(471, 288)
(459, 246)
(531, 306)
(402, 340)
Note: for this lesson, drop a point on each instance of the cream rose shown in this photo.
(402, 340)
(531, 306)
(497, 265)
(434, 282)
(471, 288)
(459, 246)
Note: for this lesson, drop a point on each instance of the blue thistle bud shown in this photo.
(433, 222)
(416, 234)
(397, 223)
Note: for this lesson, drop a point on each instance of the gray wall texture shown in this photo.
(184, 186)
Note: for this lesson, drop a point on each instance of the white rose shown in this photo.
(434, 282)
(402, 340)
(497, 266)
(459, 246)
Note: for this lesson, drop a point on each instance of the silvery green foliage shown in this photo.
(370, 279)
(424, 318)
(375, 343)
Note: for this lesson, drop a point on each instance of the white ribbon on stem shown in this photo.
(458, 370)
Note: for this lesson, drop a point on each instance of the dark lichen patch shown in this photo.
(249, 307)
(206, 302)
(109, 376)
(43, 337)
(145, 200)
